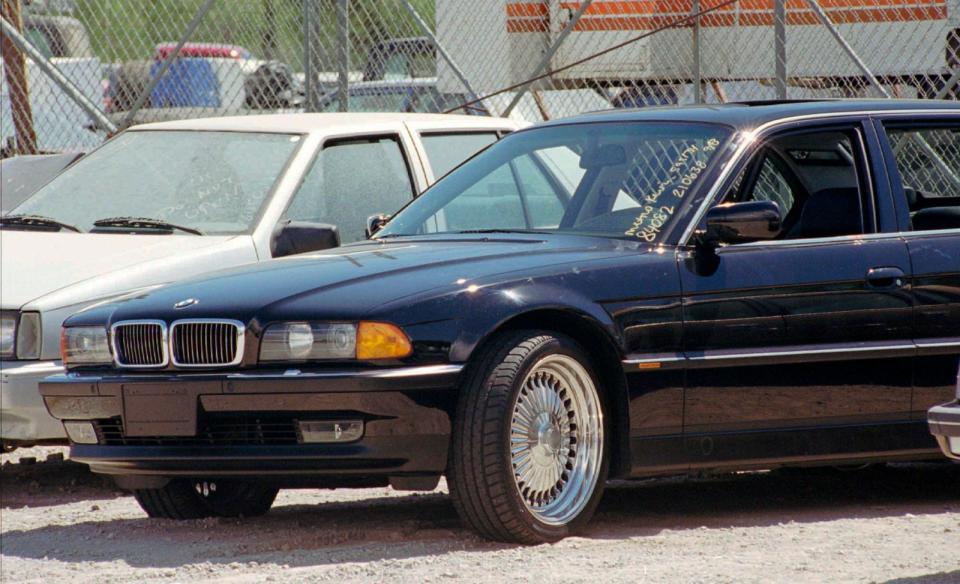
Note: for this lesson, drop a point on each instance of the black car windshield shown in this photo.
(213, 182)
(624, 180)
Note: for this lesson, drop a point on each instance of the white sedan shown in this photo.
(165, 201)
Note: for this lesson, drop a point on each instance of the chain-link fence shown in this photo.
(76, 70)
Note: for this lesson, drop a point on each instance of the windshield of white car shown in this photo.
(624, 180)
(208, 182)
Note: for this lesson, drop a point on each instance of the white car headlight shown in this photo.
(29, 336)
(8, 333)
(308, 341)
(85, 345)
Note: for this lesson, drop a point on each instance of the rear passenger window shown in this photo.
(446, 151)
(928, 162)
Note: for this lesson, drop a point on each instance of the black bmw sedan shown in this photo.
(620, 294)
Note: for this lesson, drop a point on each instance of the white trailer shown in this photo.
(899, 41)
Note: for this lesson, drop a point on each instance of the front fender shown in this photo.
(492, 308)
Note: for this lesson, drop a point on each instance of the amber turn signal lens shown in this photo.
(381, 340)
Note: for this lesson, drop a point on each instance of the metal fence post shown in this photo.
(780, 46)
(311, 56)
(343, 55)
(308, 79)
(697, 55)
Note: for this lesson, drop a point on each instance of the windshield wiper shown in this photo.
(144, 223)
(37, 222)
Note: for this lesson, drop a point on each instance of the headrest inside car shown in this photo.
(830, 213)
(936, 218)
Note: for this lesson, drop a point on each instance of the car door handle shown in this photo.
(887, 277)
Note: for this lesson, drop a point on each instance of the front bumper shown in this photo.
(944, 421)
(23, 418)
(245, 425)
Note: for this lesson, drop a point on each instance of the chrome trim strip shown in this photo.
(734, 159)
(794, 351)
(798, 352)
(844, 238)
(940, 342)
(815, 240)
(400, 372)
(163, 343)
(931, 232)
(240, 328)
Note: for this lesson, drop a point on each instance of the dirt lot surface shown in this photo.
(899, 523)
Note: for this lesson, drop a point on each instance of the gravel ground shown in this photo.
(900, 523)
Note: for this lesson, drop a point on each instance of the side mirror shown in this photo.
(375, 223)
(293, 237)
(743, 222)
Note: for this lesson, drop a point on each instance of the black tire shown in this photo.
(191, 499)
(176, 500)
(482, 480)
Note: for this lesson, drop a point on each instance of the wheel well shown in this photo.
(605, 358)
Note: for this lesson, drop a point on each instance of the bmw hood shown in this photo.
(352, 281)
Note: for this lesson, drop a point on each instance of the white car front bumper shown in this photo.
(23, 417)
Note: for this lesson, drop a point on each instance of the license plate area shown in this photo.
(954, 443)
(162, 409)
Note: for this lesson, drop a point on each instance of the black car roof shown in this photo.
(748, 115)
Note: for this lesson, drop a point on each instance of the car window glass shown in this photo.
(544, 205)
(563, 163)
(446, 151)
(928, 162)
(351, 180)
(632, 180)
(493, 199)
(771, 185)
(813, 179)
(212, 181)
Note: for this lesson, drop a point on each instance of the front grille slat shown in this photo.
(206, 343)
(139, 343)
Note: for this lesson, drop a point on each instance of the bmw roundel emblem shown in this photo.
(185, 303)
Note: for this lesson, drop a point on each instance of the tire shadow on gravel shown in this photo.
(420, 525)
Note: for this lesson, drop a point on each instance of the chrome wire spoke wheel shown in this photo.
(556, 439)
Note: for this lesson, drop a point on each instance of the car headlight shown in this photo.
(317, 341)
(20, 335)
(29, 336)
(8, 333)
(85, 345)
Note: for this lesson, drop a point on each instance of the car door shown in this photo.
(923, 154)
(352, 178)
(801, 346)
